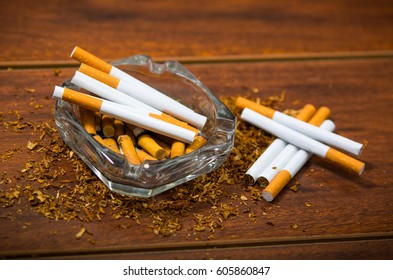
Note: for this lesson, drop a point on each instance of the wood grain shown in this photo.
(341, 208)
(48, 30)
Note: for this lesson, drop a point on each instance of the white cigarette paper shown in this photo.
(290, 151)
(278, 163)
(127, 115)
(262, 162)
(316, 133)
(301, 157)
(156, 99)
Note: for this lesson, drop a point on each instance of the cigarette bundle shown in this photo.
(289, 151)
(295, 144)
(139, 90)
(253, 173)
(309, 130)
(126, 115)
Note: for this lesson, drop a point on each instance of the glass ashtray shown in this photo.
(153, 177)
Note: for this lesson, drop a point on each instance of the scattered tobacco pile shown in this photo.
(56, 184)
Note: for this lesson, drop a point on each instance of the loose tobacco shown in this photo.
(55, 183)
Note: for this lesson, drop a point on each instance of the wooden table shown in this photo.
(334, 53)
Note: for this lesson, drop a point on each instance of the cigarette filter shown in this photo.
(119, 128)
(164, 145)
(140, 90)
(108, 126)
(149, 145)
(111, 144)
(302, 141)
(128, 149)
(124, 113)
(144, 156)
(271, 152)
(291, 168)
(88, 120)
(310, 130)
(198, 142)
(177, 149)
(290, 150)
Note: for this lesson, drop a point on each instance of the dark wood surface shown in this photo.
(335, 53)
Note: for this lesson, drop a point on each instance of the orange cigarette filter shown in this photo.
(97, 120)
(242, 103)
(119, 128)
(85, 101)
(99, 75)
(143, 156)
(99, 139)
(129, 133)
(169, 119)
(87, 58)
(88, 120)
(108, 126)
(277, 184)
(164, 145)
(322, 114)
(111, 144)
(199, 141)
(177, 149)
(351, 164)
(128, 149)
(306, 112)
(146, 142)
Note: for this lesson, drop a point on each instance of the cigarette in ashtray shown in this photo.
(104, 91)
(125, 114)
(141, 91)
(102, 80)
(289, 151)
(302, 141)
(291, 168)
(309, 130)
(271, 152)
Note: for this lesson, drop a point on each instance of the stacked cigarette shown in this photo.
(128, 116)
(297, 141)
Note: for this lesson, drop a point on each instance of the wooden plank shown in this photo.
(329, 204)
(48, 30)
(343, 250)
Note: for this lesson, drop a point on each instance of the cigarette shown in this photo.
(111, 144)
(289, 151)
(99, 139)
(148, 144)
(143, 156)
(177, 149)
(119, 128)
(198, 142)
(291, 168)
(104, 91)
(306, 113)
(98, 120)
(302, 141)
(124, 113)
(309, 130)
(140, 90)
(273, 151)
(108, 126)
(164, 145)
(128, 149)
(88, 120)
